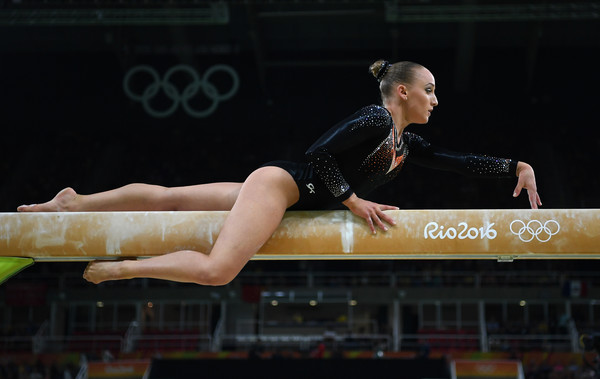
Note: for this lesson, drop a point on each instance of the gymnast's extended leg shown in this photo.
(144, 197)
(260, 206)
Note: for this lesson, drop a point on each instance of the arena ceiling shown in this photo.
(298, 32)
(288, 26)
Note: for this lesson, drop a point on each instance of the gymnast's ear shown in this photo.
(402, 91)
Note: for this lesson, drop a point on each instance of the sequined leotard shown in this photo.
(364, 151)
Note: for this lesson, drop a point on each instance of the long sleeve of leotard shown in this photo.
(424, 154)
(366, 124)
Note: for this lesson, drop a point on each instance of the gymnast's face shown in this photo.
(419, 97)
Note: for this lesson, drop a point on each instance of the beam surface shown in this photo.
(419, 234)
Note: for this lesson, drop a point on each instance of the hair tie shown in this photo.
(385, 66)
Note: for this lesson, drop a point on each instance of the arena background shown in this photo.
(514, 79)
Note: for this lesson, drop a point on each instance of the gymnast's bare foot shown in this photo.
(62, 202)
(101, 271)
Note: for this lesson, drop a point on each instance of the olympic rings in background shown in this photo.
(535, 229)
(196, 83)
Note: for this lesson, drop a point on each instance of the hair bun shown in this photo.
(379, 69)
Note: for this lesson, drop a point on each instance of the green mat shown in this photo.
(10, 266)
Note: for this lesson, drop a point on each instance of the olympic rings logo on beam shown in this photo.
(173, 93)
(535, 229)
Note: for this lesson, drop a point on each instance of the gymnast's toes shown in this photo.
(45, 207)
(100, 271)
(27, 208)
(91, 273)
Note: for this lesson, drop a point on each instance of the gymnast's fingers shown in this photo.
(534, 199)
(378, 216)
(386, 217)
(371, 226)
(517, 190)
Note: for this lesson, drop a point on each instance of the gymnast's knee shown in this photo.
(160, 198)
(216, 275)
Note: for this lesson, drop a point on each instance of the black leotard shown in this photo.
(364, 151)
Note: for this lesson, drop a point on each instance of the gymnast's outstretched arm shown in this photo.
(428, 155)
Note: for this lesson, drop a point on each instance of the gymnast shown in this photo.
(354, 157)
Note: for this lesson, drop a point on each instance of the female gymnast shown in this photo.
(357, 155)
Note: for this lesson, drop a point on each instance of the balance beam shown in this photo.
(503, 235)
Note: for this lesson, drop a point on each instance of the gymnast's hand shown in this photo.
(370, 211)
(527, 181)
